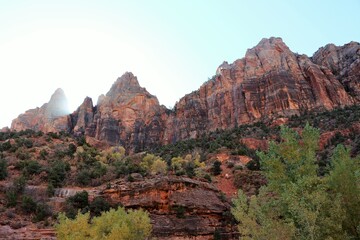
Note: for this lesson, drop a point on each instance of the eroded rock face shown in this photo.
(127, 115)
(344, 64)
(50, 117)
(178, 206)
(270, 82)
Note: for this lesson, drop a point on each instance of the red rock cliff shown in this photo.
(269, 82)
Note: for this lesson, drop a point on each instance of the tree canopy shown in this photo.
(297, 203)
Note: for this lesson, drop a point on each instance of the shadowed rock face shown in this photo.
(269, 82)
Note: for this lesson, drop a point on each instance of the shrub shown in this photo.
(3, 169)
(216, 168)
(57, 173)
(114, 224)
(179, 211)
(50, 190)
(31, 167)
(11, 197)
(42, 211)
(6, 146)
(19, 184)
(80, 200)
(159, 167)
(83, 177)
(99, 205)
(71, 150)
(208, 178)
(28, 205)
(190, 169)
(43, 154)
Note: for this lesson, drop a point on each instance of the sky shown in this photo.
(171, 46)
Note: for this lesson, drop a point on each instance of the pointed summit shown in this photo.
(58, 104)
(272, 43)
(126, 83)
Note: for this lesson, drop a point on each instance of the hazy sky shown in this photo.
(171, 46)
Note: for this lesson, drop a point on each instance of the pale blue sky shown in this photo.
(172, 46)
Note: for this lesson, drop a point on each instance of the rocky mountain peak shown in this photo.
(271, 44)
(126, 83)
(58, 104)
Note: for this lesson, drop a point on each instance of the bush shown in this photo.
(31, 167)
(99, 205)
(50, 190)
(114, 224)
(11, 197)
(42, 211)
(3, 169)
(253, 165)
(83, 177)
(159, 167)
(208, 178)
(19, 184)
(28, 205)
(179, 211)
(6, 146)
(57, 173)
(43, 154)
(216, 168)
(80, 200)
(71, 149)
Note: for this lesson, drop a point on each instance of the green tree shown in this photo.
(114, 224)
(296, 201)
(344, 180)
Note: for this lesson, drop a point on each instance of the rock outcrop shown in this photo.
(344, 64)
(269, 82)
(179, 207)
(127, 115)
(50, 117)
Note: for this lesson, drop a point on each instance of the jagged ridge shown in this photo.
(270, 81)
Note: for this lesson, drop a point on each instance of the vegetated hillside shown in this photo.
(40, 171)
(269, 82)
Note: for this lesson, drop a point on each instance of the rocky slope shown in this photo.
(269, 82)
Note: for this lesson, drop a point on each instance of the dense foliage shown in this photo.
(297, 203)
(113, 224)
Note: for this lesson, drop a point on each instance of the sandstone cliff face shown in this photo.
(179, 207)
(268, 83)
(50, 117)
(127, 115)
(344, 64)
